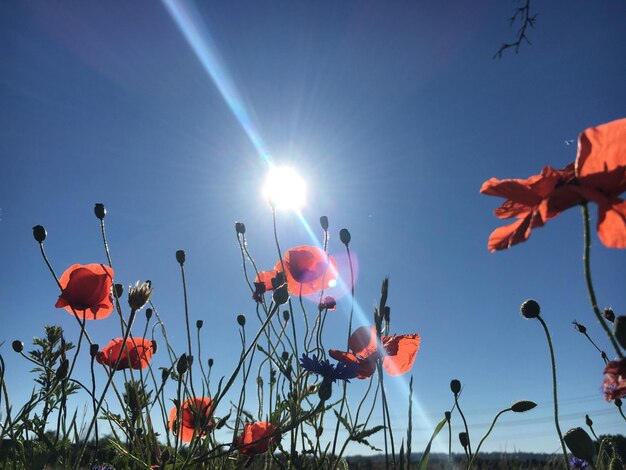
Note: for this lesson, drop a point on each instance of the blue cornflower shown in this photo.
(329, 372)
(575, 462)
(102, 466)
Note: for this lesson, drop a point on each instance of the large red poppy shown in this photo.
(87, 290)
(398, 355)
(597, 175)
(136, 355)
(194, 415)
(255, 437)
(308, 270)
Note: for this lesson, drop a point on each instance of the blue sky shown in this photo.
(393, 113)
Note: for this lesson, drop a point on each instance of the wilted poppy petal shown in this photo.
(401, 351)
(194, 416)
(602, 149)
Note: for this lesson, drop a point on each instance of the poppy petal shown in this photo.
(362, 341)
(366, 367)
(401, 351)
(517, 232)
(612, 223)
(602, 149)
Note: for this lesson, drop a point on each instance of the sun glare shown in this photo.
(284, 188)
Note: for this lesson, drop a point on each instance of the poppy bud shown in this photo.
(604, 356)
(39, 233)
(286, 315)
(164, 375)
(345, 236)
(61, 372)
(240, 228)
(324, 222)
(463, 439)
(530, 309)
(154, 345)
(609, 314)
(241, 319)
(580, 328)
(580, 444)
(211, 362)
(181, 365)
(620, 330)
(588, 421)
(618, 402)
(100, 211)
(522, 406)
(199, 324)
(139, 295)
(326, 390)
(148, 314)
(18, 346)
(448, 415)
(281, 295)
(319, 431)
(220, 424)
(260, 348)
(93, 350)
(387, 314)
(119, 290)
(180, 257)
(285, 356)
(455, 386)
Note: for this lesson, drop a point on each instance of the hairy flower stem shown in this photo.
(554, 392)
(182, 272)
(118, 308)
(592, 294)
(485, 436)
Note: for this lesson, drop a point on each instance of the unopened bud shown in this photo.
(324, 222)
(344, 236)
(259, 381)
(281, 295)
(609, 314)
(148, 314)
(182, 364)
(387, 314)
(241, 319)
(588, 421)
(61, 372)
(522, 406)
(100, 211)
(618, 402)
(448, 415)
(39, 233)
(210, 362)
(119, 290)
(93, 350)
(530, 309)
(286, 315)
(463, 439)
(580, 328)
(580, 444)
(604, 356)
(619, 329)
(285, 356)
(165, 373)
(18, 346)
(154, 346)
(455, 386)
(325, 391)
(180, 257)
(222, 421)
(240, 228)
(199, 324)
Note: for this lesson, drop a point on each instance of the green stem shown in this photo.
(485, 436)
(468, 451)
(554, 392)
(592, 294)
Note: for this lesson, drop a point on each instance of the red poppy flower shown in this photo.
(255, 437)
(398, 355)
(136, 355)
(87, 290)
(598, 175)
(194, 415)
(308, 270)
(615, 381)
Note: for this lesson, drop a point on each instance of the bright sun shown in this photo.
(284, 188)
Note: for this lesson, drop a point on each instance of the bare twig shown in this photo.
(523, 15)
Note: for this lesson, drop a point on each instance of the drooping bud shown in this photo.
(93, 350)
(324, 223)
(165, 373)
(580, 328)
(241, 320)
(618, 402)
(286, 315)
(18, 346)
(580, 444)
(588, 421)
(39, 233)
(119, 290)
(210, 362)
(522, 406)
(180, 257)
(344, 236)
(609, 314)
(139, 295)
(284, 356)
(155, 346)
(530, 309)
(148, 314)
(182, 364)
(619, 329)
(240, 228)
(463, 439)
(455, 386)
(199, 324)
(100, 211)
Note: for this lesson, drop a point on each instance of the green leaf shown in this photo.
(424, 460)
(343, 421)
(367, 432)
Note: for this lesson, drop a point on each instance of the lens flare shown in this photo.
(284, 188)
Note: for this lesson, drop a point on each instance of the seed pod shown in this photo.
(148, 314)
(344, 236)
(448, 415)
(241, 319)
(463, 439)
(281, 295)
(324, 222)
(210, 362)
(286, 315)
(455, 386)
(580, 444)
(100, 211)
(119, 290)
(522, 406)
(180, 257)
(18, 346)
(530, 309)
(609, 314)
(580, 328)
(199, 324)
(93, 350)
(39, 233)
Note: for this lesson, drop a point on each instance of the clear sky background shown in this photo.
(394, 114)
